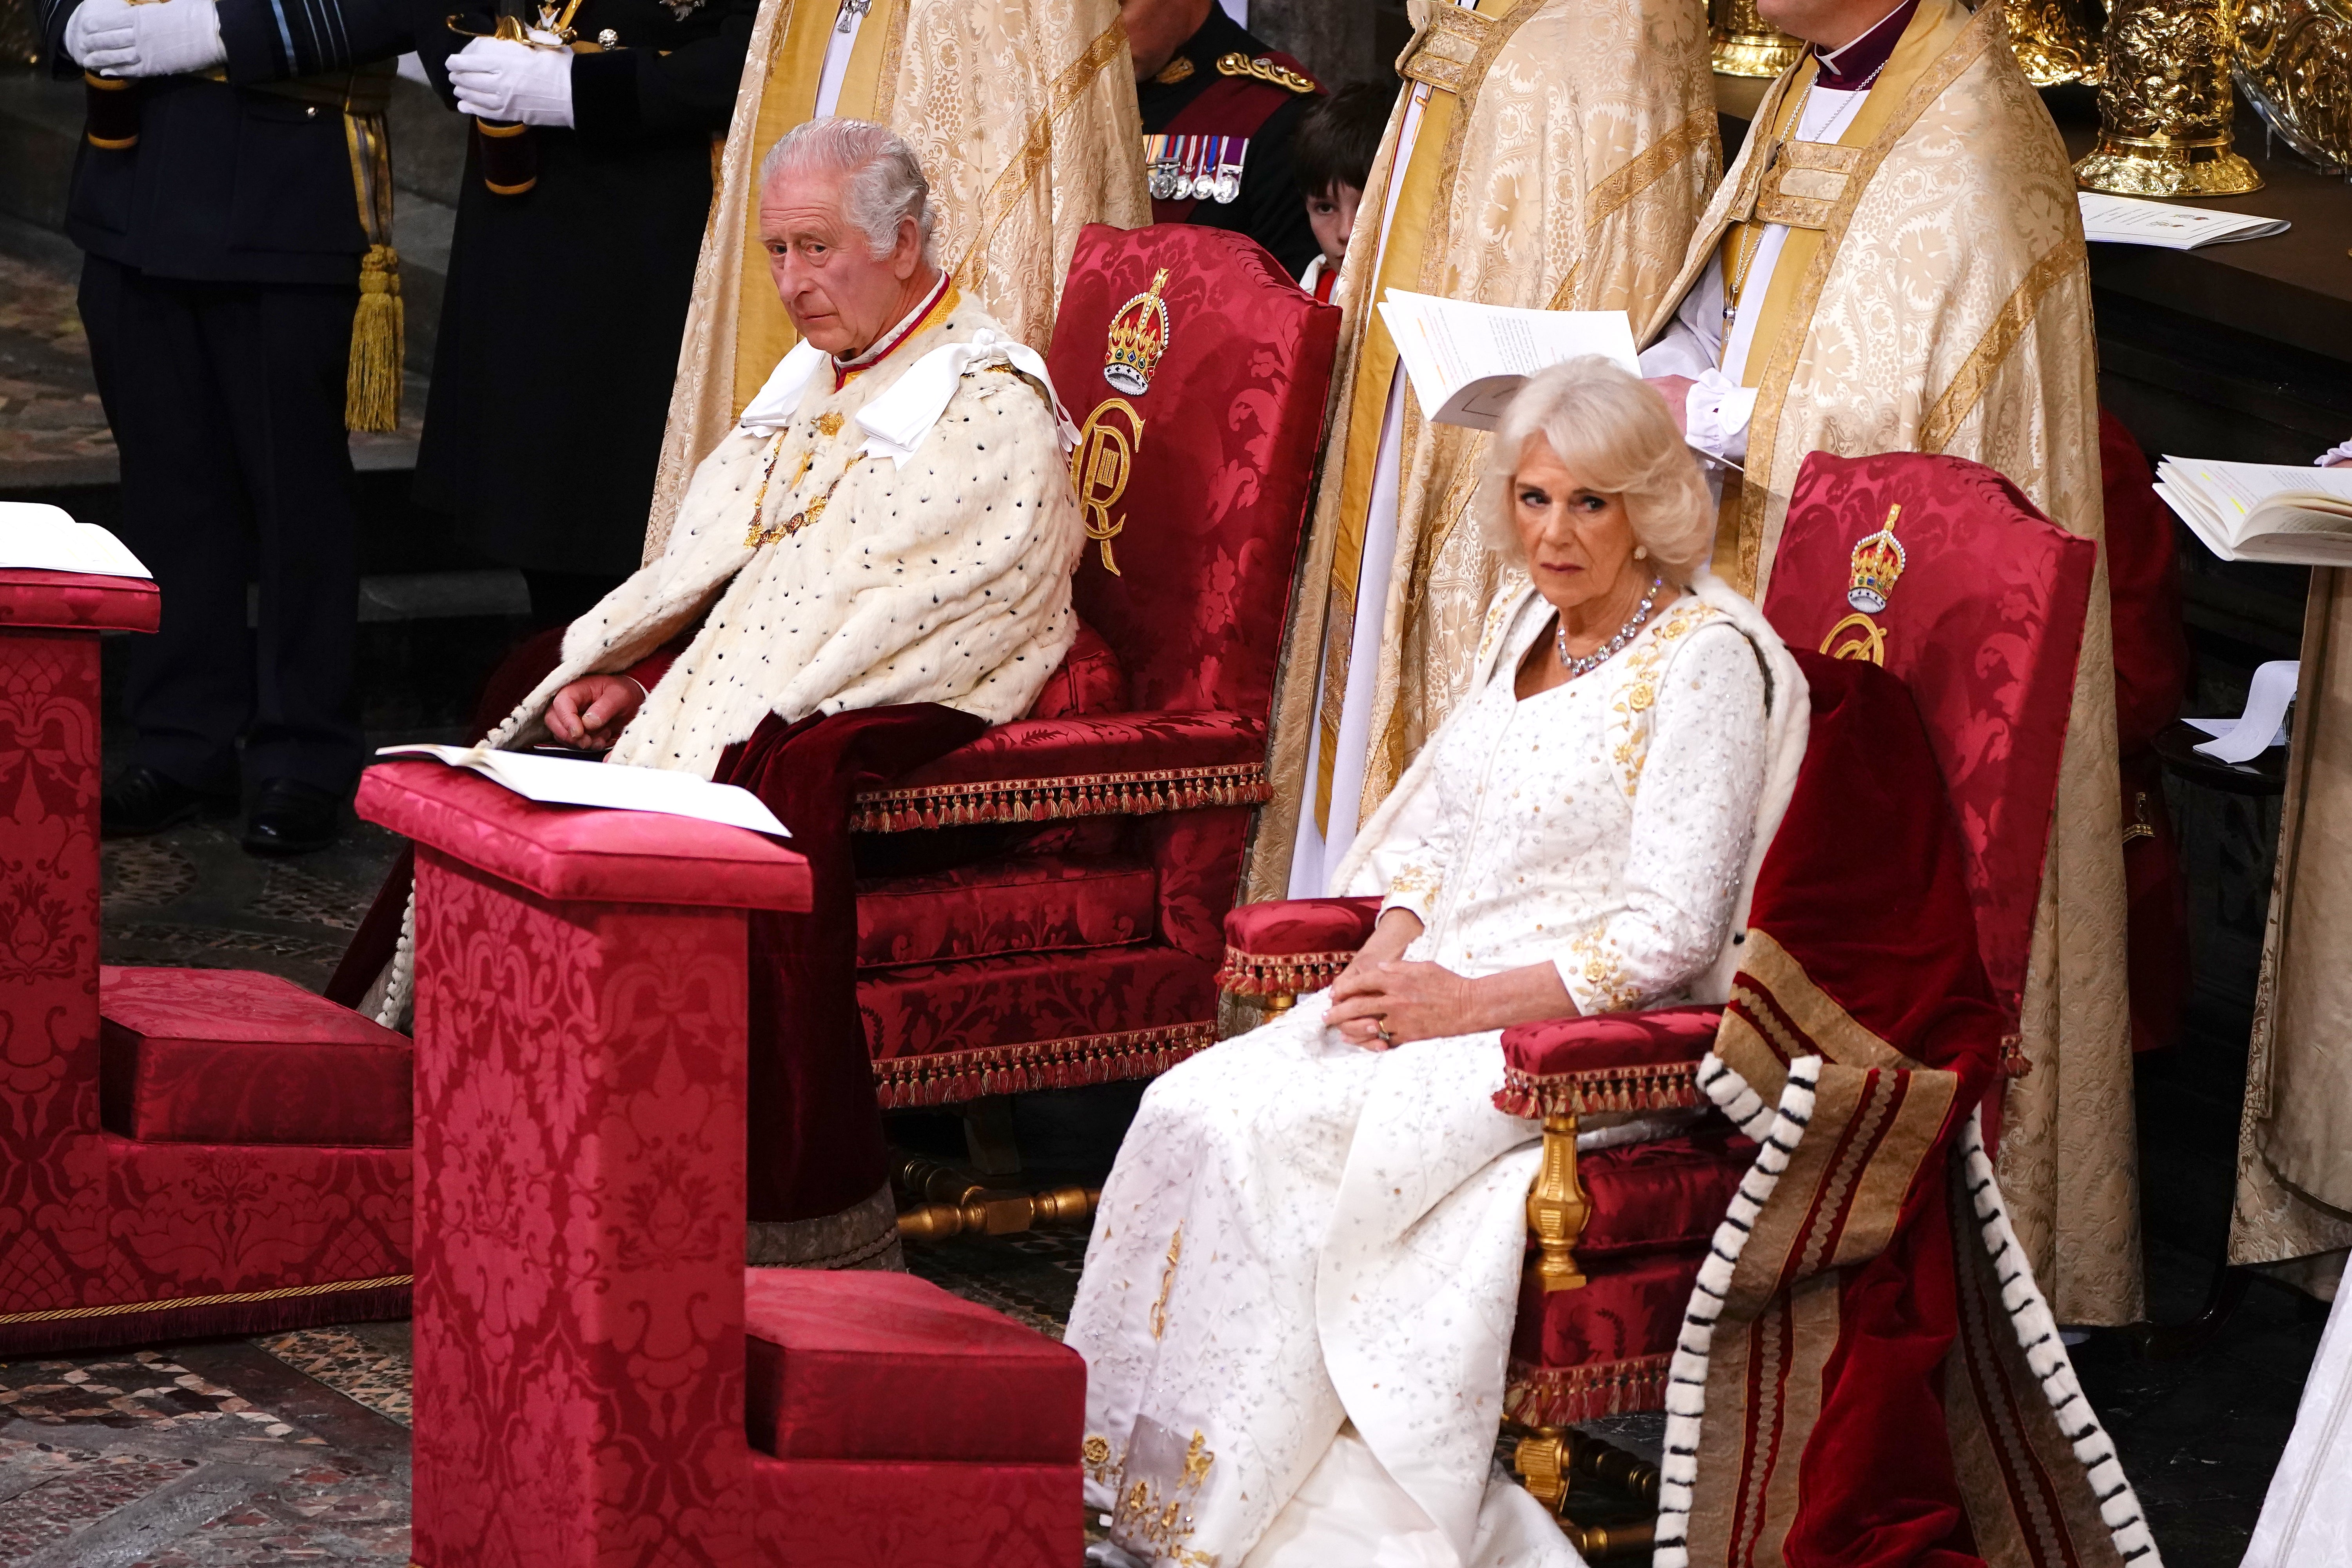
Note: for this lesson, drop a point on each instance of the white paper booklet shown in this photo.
(2263, 723)
(2129, 220)
(2263, 511)
(46, 539)
(1466, 361)
(568, 781)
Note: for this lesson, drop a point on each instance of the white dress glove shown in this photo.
(114, 38)
(498, 80)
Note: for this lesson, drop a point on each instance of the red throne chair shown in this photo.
(181, 1151)
(596, 1380)
(1943, 572)
(1087, 951)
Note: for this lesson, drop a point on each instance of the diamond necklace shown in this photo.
(1614, 646)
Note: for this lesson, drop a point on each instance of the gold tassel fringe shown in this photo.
(372, 388)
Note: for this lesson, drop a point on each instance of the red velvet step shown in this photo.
(863, 1365)
(228, 1056)
(1042, 903)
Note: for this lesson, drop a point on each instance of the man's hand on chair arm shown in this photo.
(1381, 991)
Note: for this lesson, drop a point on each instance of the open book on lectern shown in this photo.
(2284, 512)
(1464, 361)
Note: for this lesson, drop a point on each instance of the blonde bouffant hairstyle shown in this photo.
(1614, 433)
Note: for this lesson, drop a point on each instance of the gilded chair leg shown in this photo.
(1547, 1458)
(947, 1202)
(1558, 1205)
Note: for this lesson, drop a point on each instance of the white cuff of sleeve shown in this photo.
(2339, 453)
(1716, 415)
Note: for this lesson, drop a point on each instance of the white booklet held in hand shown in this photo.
(568, 781)
(46, 539)
(2129, 220)
(1466, 361)
(2263, 511)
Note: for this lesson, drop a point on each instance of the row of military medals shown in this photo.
(1195, 168)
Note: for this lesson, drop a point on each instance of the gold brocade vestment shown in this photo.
(1934, 296)
(1546, 153)
(1023, 118)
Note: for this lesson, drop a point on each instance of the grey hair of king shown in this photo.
(885, 183)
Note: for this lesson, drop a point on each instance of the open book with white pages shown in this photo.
(1464, 361)
(2282, 512)
(42, 538)
(571, 781)
(2132, 220)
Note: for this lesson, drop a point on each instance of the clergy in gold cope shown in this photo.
(1896, 263)
(1023, 117)
(1548, 154)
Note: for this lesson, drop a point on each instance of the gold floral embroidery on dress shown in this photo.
(1595, 959)
(1412, 886)
(1094, 1454)
(1167, 1283)
(1161, 1523)
(1637, 691)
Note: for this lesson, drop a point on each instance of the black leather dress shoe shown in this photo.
(142, 801)
(291, 818)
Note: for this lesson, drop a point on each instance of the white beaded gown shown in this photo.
(1298, 1302)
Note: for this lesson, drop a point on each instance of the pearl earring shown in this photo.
(1640, 553)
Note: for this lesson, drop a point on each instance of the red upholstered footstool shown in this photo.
(891, 1422)
(227, 1055)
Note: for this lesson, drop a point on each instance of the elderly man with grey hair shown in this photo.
(871, 569)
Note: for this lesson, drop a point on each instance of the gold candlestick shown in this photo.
(1746, 44)
(2165, 104)
(2053, 43)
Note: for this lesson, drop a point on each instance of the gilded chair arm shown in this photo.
(1279, 948)
(1564, 1068)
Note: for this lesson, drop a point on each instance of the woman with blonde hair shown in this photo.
(1298, 1302)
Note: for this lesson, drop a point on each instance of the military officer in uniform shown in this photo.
(229, 188)
(1219, 109)
(569, 274)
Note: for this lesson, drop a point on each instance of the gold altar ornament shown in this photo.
(2054, 43)
(2294, 61)
(2165, 104)
(1745, 44)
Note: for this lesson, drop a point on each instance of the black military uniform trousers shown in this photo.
(226, 401)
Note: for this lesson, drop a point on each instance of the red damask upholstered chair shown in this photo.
(1942, 572)
(597, 1378)
(181, 1151)
(1087, 951)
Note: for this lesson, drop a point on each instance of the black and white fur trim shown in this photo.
(1778, 1133)
(2045, 1356)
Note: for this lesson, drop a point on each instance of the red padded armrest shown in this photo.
(1612, 1061)
(1037, 770)
(1285, 946)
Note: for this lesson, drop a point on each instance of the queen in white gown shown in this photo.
(1298, 1298)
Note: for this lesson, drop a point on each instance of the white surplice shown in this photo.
(1297, 1303)
(2306, 1520)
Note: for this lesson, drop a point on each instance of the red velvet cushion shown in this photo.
(1661, 1197)
(78, 600)
(1983, 627)
(863, 1365)
(1210, 503)
(1281, 927)
(224, 1056)
(1608, 1040)
(1090, 680)
(1042, 903)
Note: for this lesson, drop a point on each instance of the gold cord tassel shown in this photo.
(371, 383)
(372, 388)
